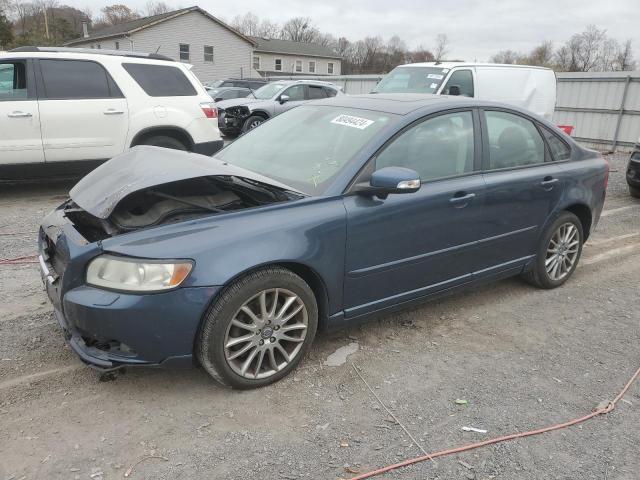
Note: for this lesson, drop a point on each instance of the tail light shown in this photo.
(209, 110)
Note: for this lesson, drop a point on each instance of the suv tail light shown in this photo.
(209, 110)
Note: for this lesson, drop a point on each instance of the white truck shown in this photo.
(533, 88)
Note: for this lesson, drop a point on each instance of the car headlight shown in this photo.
(136, 274)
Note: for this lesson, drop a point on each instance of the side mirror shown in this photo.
(284, 98)
(454, 90)
(391, 180)
(217, 99)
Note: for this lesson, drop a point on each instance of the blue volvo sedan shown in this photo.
(324, 215)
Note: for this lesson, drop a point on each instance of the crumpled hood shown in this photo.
(236, 102)
(143, 167)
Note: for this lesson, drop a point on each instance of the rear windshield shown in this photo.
(161, 80)
(412, 80)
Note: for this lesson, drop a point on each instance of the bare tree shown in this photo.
(153, 7)
(299, 29)
(506, 56)
(420, 54)
(624, 58)
(246, 24)
(268, 29)
(118, 13)
(441, 48)
(541, 56)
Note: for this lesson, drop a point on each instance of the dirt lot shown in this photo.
(521, 357)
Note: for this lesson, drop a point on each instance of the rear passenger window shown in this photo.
(559, 150)
(160, 80)
(436, 148)
(316, 92)
(76, 79)
(513, 140)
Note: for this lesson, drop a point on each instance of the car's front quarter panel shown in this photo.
(310, 232)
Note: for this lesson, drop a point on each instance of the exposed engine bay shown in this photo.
(175, 202)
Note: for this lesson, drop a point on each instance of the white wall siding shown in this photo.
(231, 54)
(268, 64)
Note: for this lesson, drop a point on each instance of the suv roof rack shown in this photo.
(94, 51)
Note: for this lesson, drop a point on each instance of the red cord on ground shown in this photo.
(598, 411)
(19, 260)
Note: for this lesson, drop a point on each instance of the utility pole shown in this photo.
(46, 22)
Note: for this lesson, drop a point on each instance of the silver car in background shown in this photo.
(239, 115)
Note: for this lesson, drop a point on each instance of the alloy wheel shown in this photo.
(562, 251)
(266, 333)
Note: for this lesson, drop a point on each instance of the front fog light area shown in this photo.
(137, 275)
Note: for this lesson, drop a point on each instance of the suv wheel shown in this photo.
(259, 329)
(164, 141)
(252, 122)
(634, 191)
(558, 252)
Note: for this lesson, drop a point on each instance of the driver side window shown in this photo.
(295, 93)
(435, 148)
(463, 79)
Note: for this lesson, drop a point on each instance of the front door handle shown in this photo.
(19, 114)
(461, 199)
(113, 111)
(548, 182)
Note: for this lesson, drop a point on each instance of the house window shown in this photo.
(208, 53)
(117, 45)
(99, 47)
(256, 63)
(184, 51)
(312, 67)
(278, 64)
(330, 68)
(298, 65)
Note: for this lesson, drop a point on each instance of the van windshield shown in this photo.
(412, 80)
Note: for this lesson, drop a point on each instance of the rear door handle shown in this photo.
(548, 182)
(19, 114)
(461, 199)
(113, 111)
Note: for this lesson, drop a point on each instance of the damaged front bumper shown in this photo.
(109, 329)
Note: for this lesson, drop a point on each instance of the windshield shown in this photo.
(268, 91)
(307, 146)
(412, 80)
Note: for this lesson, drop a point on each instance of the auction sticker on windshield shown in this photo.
(436, 76)
(351, 121)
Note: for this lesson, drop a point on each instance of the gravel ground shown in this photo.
(522, 358)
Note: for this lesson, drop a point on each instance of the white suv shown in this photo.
(60, 105)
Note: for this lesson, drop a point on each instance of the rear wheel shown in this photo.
(259, 329)
(558, 253)
(634, 191)
(164, 141)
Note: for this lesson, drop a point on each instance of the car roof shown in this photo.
(305, 81)
(450, 65)
(405, 103)
(87, 51)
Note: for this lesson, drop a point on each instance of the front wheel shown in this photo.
(558, 253)
(259, 329)
(252, 122)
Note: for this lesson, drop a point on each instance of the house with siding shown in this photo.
(273, 57)
(190, 35)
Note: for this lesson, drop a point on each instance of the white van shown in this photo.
(533, 88)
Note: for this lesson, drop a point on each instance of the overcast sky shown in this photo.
(476, 29)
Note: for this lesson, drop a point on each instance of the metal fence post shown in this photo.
(620, 114)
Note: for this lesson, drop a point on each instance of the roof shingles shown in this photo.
(276, 45)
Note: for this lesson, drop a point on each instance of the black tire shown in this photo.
(164, 141)
(252, 122)
(210, 344)
(538, 275)
(634, 191)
